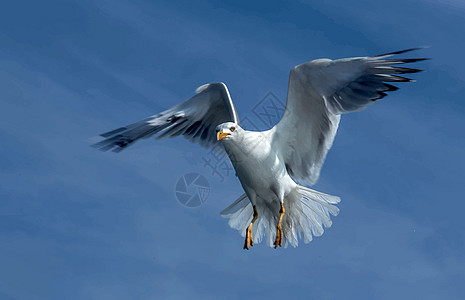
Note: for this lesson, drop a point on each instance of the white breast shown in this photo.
(258, 166)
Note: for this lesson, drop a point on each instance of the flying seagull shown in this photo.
(274, 166)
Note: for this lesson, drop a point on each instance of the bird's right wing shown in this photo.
(195, 119)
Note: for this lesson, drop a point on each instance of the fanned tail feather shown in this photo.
(240, 214)
(307, 213)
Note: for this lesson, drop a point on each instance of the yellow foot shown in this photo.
(248, 238)
(279, 237)
(248, 233)
(279, 228)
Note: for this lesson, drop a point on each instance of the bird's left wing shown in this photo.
(319, 92)
(195, 119)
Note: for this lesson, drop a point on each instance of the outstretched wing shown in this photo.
(319, 92)
(195, 119)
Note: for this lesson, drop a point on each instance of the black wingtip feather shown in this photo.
(399, 52)
(113, 132)
(390, 87)
(115, 143)
(381, 95)
(393, 78)
(403, 60)
(407, 70)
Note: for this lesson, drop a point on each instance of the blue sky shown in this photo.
(77, 223)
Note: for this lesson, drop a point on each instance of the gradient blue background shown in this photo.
(77, 223)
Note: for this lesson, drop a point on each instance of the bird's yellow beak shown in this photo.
(221, 135)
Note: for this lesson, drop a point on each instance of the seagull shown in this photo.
(276, 166)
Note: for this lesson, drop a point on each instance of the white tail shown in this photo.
(307, 211)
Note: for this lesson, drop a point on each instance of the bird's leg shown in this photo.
(248, 233)
(279, 229)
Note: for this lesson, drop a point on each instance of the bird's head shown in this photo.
(228, 131)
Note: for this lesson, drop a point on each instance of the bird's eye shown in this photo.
(232, 129)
